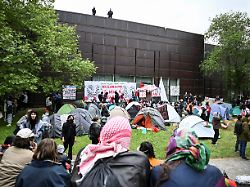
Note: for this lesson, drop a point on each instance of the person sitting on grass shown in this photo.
(148, 149)
(186, 164)
(110, 163)
(34, 124)
(44, 170)
(7, 143)
(15, 157)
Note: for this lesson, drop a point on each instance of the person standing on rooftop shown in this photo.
(110, 13)
(93, 11)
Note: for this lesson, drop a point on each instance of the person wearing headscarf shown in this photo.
(186, 164)
(114, 144)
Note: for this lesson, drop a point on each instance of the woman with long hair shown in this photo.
(44, 170)
(35, 124)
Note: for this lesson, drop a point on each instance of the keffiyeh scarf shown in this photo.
(114, 138)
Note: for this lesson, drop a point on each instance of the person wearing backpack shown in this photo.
(95, 130)
(237, 131)
(216, 126)
(110, 163)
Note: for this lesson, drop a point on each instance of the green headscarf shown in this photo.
(185, 145)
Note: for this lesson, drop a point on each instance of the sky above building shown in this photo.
(187, 15)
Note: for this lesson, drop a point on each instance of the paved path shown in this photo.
(233, 166)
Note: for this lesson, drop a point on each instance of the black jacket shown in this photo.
(69, 132)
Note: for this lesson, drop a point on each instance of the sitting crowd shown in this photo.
(108, 161)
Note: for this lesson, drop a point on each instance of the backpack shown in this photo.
(127, 169)
(238, 128)
(101, 176)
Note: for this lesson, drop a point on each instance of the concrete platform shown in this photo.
(233, 167)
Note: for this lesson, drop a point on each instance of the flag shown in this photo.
(163, 91)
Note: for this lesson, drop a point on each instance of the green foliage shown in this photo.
(231, 32)
(36, 50)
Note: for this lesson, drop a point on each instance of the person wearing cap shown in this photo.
(62, 157)
(186, 164)
(15, 157)
(44, 170)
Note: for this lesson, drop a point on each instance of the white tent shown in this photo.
(131, 104)
(173, 116)
(198, 125)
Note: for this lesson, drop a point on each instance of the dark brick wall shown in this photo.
(128, 48)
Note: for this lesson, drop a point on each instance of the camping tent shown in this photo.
(149, 117)
(82, 121)
(236, 111)
(94, 110)
(65, 109)
(198, 125)
(169, 113)
(119, 111)
(133, 108)
(57, 121)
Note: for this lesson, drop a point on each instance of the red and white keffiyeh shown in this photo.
(114, 138)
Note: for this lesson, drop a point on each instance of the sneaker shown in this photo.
(245, 158)
(9, 125)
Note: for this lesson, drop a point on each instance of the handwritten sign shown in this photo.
(69, 92)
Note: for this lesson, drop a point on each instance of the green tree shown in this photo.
(231, 55)
(37, 52)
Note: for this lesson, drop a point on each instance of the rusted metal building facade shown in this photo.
(134, 52)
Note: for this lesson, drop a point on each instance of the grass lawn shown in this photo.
(224, 147)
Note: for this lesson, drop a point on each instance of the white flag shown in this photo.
(163, 91)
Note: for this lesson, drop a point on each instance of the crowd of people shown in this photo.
(109, 162)
(30, 158)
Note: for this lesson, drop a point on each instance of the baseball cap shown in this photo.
(25, 133)
(60, 148)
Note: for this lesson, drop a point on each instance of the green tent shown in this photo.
(66, 109)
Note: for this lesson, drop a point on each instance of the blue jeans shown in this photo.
(243, 145)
